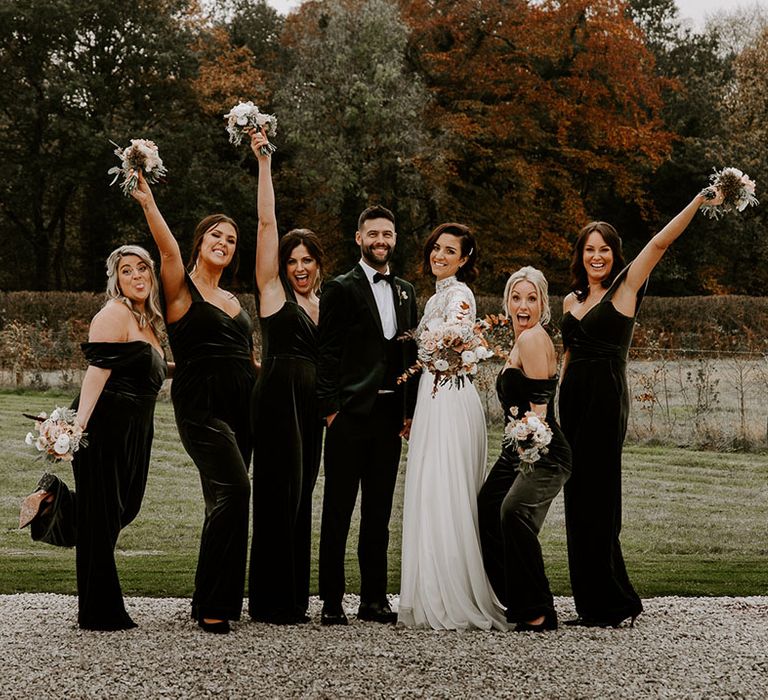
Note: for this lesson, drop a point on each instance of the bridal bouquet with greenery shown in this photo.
(57, 436)
(530, 436)
(738, 192)
(141, 155)
(245, 116)
(449, 350)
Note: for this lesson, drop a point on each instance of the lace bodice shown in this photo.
(449, 304)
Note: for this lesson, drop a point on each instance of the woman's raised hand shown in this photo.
(712, 196)
(141, 193)
(258, 139)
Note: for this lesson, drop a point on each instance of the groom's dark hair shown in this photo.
(375, 212)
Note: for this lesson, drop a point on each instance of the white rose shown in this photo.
(483, 353)
(30, 439)
(61, 446)
(469, 357)
(441, 365)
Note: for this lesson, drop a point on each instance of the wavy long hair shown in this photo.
(153, 315)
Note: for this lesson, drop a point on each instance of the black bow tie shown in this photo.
(377, 277)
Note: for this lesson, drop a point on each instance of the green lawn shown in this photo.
(694, 522)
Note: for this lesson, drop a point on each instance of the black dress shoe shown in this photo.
(333, 616)
(376, 612)
(548, 623)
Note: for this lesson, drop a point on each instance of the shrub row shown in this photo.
(56, 322)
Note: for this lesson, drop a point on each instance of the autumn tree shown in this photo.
(547, 115)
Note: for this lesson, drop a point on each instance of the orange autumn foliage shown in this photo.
(226, 75)
(542, 109)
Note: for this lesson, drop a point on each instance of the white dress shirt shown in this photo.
(385, 301)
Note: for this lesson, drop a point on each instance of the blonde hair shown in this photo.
(537, 279)
(152, 315)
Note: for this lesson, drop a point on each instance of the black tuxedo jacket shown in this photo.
(352, 357)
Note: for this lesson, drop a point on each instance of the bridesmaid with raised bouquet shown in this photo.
(211, 339)
(285, 415)
(597, 325)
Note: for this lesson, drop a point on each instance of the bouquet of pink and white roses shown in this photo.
(246, 115)
(737, 189)
(449, 350)
(58, 435)
(530, 436)
(142, 155)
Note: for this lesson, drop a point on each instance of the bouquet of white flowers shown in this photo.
(58, 436)
(530, 436)
(142, 155)
(449, 350)
(247, 115)
(737, 189)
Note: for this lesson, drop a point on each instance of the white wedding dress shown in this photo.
(443, 584)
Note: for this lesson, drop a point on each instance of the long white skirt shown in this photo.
(443, 584)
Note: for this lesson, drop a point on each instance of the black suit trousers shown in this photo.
(362, 453)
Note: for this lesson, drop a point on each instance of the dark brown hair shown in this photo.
(202, 228)
(294, 238)
(579, 281)
(467, 272)
(375, 212)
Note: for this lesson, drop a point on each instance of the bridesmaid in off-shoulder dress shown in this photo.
(115, 407)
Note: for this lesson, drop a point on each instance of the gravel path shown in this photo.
(679, 648)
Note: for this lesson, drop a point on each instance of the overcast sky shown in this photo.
(695, 10)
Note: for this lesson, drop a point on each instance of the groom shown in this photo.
(367, 413)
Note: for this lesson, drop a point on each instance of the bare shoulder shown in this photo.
(111, 323)
(568, 301)
(534, 339)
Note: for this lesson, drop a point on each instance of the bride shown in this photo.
(443, 584)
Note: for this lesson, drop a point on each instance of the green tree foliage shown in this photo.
(352, 120)
(74, 74)
(707, 103)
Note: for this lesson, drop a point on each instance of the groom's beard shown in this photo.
(370, 257)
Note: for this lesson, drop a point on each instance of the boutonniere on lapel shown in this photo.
(402, 295)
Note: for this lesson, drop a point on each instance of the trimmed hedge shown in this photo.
(42, 330)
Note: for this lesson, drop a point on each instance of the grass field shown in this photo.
(694, 522)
